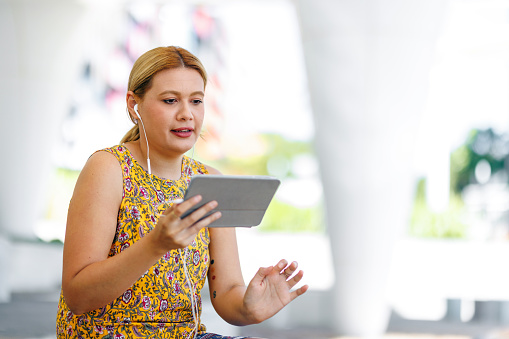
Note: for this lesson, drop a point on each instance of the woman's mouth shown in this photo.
(184, 132)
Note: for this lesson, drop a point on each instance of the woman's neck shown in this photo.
(162, 165)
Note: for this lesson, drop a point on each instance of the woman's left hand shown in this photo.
(270, 290)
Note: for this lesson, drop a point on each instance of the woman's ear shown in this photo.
(131, 101)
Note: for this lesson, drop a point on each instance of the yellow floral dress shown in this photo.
(158, 304)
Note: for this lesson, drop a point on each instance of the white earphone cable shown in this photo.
(148, 150)
(194, 303)
(194, 306)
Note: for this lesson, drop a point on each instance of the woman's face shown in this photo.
(173, 110)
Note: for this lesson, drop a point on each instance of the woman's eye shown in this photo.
(170, 101)
(197, 101)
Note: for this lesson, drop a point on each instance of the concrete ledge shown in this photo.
(29, 315)
(29, 266)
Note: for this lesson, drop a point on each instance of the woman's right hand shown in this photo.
(172, 232)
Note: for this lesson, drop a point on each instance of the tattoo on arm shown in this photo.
(212, 269)
(213, 278)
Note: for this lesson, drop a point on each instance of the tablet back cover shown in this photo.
(242, 200)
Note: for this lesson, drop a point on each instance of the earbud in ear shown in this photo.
(136, 111)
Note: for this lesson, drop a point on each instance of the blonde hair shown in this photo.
(148, 65)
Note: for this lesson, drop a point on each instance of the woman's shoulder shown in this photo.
(117, 150)
(101, 172)
(104, 158)
(104, 162)
(212, 170)
(115, 154)
(199, 167)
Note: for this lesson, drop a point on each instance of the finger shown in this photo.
(295, 279)
(176, 203)
(189, 232)
(281, 265)
(173, 213)
(186, 205)
(207, 220)
(194, 217)
(290, 270)
(169, 215)
(298, 292)
(191, 225)
(172, 202)
(261, 274)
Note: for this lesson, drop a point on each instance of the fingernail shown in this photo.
(178, 201)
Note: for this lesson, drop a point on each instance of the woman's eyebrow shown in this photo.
(177, 93)
(200, 93)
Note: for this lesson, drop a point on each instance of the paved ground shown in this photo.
(28, 316)
(32, 316)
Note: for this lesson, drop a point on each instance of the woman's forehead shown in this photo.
(178, 78)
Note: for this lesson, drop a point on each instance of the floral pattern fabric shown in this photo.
(218, 336)
(158, 304)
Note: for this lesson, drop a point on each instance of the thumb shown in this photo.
(172, 205)
(261, 274)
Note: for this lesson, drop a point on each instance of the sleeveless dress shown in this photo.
(158, 304)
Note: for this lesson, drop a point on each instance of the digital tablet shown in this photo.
(242, 200)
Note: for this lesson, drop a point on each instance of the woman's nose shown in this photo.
(185, 113)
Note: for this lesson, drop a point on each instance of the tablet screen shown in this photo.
(242, 200)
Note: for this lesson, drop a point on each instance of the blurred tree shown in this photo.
(484, 150)
(426, 223)
(481, 145)
(276, 158)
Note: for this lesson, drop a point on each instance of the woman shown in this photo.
(132, 267)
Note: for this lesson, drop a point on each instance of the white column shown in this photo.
(367, 64)
(38, 63)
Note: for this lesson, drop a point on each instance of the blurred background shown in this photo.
(386, 120)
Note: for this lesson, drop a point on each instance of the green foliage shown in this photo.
(61, 188)
(480, 145)
(281, 217)
(428, 224)
(275, 147)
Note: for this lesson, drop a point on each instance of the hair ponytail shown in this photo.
(132, 135)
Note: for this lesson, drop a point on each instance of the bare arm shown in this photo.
(226, 284)
(267, 293)
(90, 279)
